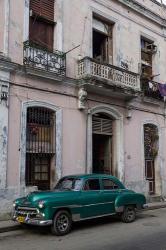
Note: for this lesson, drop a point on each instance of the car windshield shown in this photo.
(69, 184)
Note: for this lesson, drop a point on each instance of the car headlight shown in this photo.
(14, 204)
(41, 204)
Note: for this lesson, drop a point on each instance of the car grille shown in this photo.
(26, 211)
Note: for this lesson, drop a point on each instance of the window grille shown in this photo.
(40, 147)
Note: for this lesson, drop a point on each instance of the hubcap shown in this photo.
(130, 214)
(62, 222)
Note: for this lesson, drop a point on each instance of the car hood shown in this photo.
(47, 195)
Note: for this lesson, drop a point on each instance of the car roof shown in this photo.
(86, 176)
(91, 175)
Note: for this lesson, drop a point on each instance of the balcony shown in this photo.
(40, 58)
(108, 76)
(150, 89)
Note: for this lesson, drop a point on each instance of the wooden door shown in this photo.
(150, 174)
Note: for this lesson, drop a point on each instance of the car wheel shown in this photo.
(128, 214)
(62, 223)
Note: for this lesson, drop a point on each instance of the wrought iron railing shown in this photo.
(41, 58)
(89, 67)
(150, 89)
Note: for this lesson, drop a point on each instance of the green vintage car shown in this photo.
(76, 198)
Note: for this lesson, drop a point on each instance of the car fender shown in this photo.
(129, 199)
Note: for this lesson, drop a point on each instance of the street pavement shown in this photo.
(148, 232)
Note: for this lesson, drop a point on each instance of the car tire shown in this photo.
(129, 214)
(62, 223)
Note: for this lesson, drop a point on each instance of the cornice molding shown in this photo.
(7, 65)
(144, 11)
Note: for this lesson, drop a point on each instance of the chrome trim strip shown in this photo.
(79, 206)
(96, 204)
(74, 206)
(98, 216)
(118, 190)
(26, 212)
(27, 208)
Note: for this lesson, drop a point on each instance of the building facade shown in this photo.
(80, 92)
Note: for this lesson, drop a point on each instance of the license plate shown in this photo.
(21, 219)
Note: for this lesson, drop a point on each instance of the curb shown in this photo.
(9, 228)
(155, 207)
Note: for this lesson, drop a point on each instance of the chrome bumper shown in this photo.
(36, 222)
(40, 221)
(145, 206)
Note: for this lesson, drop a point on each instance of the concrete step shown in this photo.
(154, 198)
(156, 205)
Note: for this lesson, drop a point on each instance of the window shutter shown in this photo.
(43, 8)
(102, 126)
(110, 45)
(41, 33)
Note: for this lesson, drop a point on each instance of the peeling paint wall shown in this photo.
(4, 93)
(2, 25)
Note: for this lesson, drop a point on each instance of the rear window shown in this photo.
(109, 184)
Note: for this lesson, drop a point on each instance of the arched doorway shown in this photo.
(111, 139)
(102, 137)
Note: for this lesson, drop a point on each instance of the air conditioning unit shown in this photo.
(151, 48)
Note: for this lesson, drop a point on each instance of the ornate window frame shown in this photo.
(58, 139)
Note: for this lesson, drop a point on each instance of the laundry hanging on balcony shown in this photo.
(153, 86)
(162, 89)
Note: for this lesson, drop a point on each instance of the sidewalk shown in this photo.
(9, 225)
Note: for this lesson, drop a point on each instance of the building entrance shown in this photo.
(102, 144)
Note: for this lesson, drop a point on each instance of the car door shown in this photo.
(91, 198)
(110, 190)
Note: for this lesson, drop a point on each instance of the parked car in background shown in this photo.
(76, 198)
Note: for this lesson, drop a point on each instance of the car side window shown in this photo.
(92, 184)
(109, 184)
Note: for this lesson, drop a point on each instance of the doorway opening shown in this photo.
(150, 152)
(102, 144)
